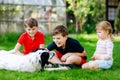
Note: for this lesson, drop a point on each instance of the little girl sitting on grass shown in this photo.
(102, 58)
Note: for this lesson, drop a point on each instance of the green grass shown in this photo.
(7, 42)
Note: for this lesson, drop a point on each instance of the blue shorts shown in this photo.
(104, 64)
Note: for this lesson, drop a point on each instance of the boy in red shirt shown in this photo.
(31, 39)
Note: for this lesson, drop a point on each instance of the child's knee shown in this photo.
(73, 59)
(93, 65)
(85, 66)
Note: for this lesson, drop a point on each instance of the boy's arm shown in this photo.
(81, 54)
(51, 46)
(41, 46)
(64, 57)
(76, 53)
(17, 48)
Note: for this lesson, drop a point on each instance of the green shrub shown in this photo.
(117, 21)
(8, 40)
(11, 37)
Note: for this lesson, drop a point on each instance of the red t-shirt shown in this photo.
(29, 44)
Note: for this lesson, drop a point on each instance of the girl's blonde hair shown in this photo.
(106, 26)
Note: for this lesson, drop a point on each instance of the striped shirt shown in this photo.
(105, 49)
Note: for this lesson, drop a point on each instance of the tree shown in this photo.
(80, 9)
(87, 13)
(117, 21)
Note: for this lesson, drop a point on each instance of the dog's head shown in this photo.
(44, 59)
(42, 56)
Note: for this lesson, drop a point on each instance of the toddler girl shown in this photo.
(102, 58)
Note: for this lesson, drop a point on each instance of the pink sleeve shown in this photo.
(109, 49)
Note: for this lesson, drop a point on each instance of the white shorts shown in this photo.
(103, 64)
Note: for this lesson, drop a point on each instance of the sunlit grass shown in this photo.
(89, 43)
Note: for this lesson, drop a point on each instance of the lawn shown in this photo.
(8, 41)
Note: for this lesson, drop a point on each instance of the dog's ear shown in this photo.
(35, 50)
(38, 49)
(44, 59)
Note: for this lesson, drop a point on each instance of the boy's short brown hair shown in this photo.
(60, 29)
(30, 22)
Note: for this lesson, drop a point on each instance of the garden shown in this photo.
(79, 16)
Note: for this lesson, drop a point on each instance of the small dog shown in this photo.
(34, 61)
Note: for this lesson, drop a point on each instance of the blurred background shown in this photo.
(79, 16)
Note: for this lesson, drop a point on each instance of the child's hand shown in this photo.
(97, 57)
(12, 51)
(93, 57)
(64, 57)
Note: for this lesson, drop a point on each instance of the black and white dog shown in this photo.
(34, 61)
